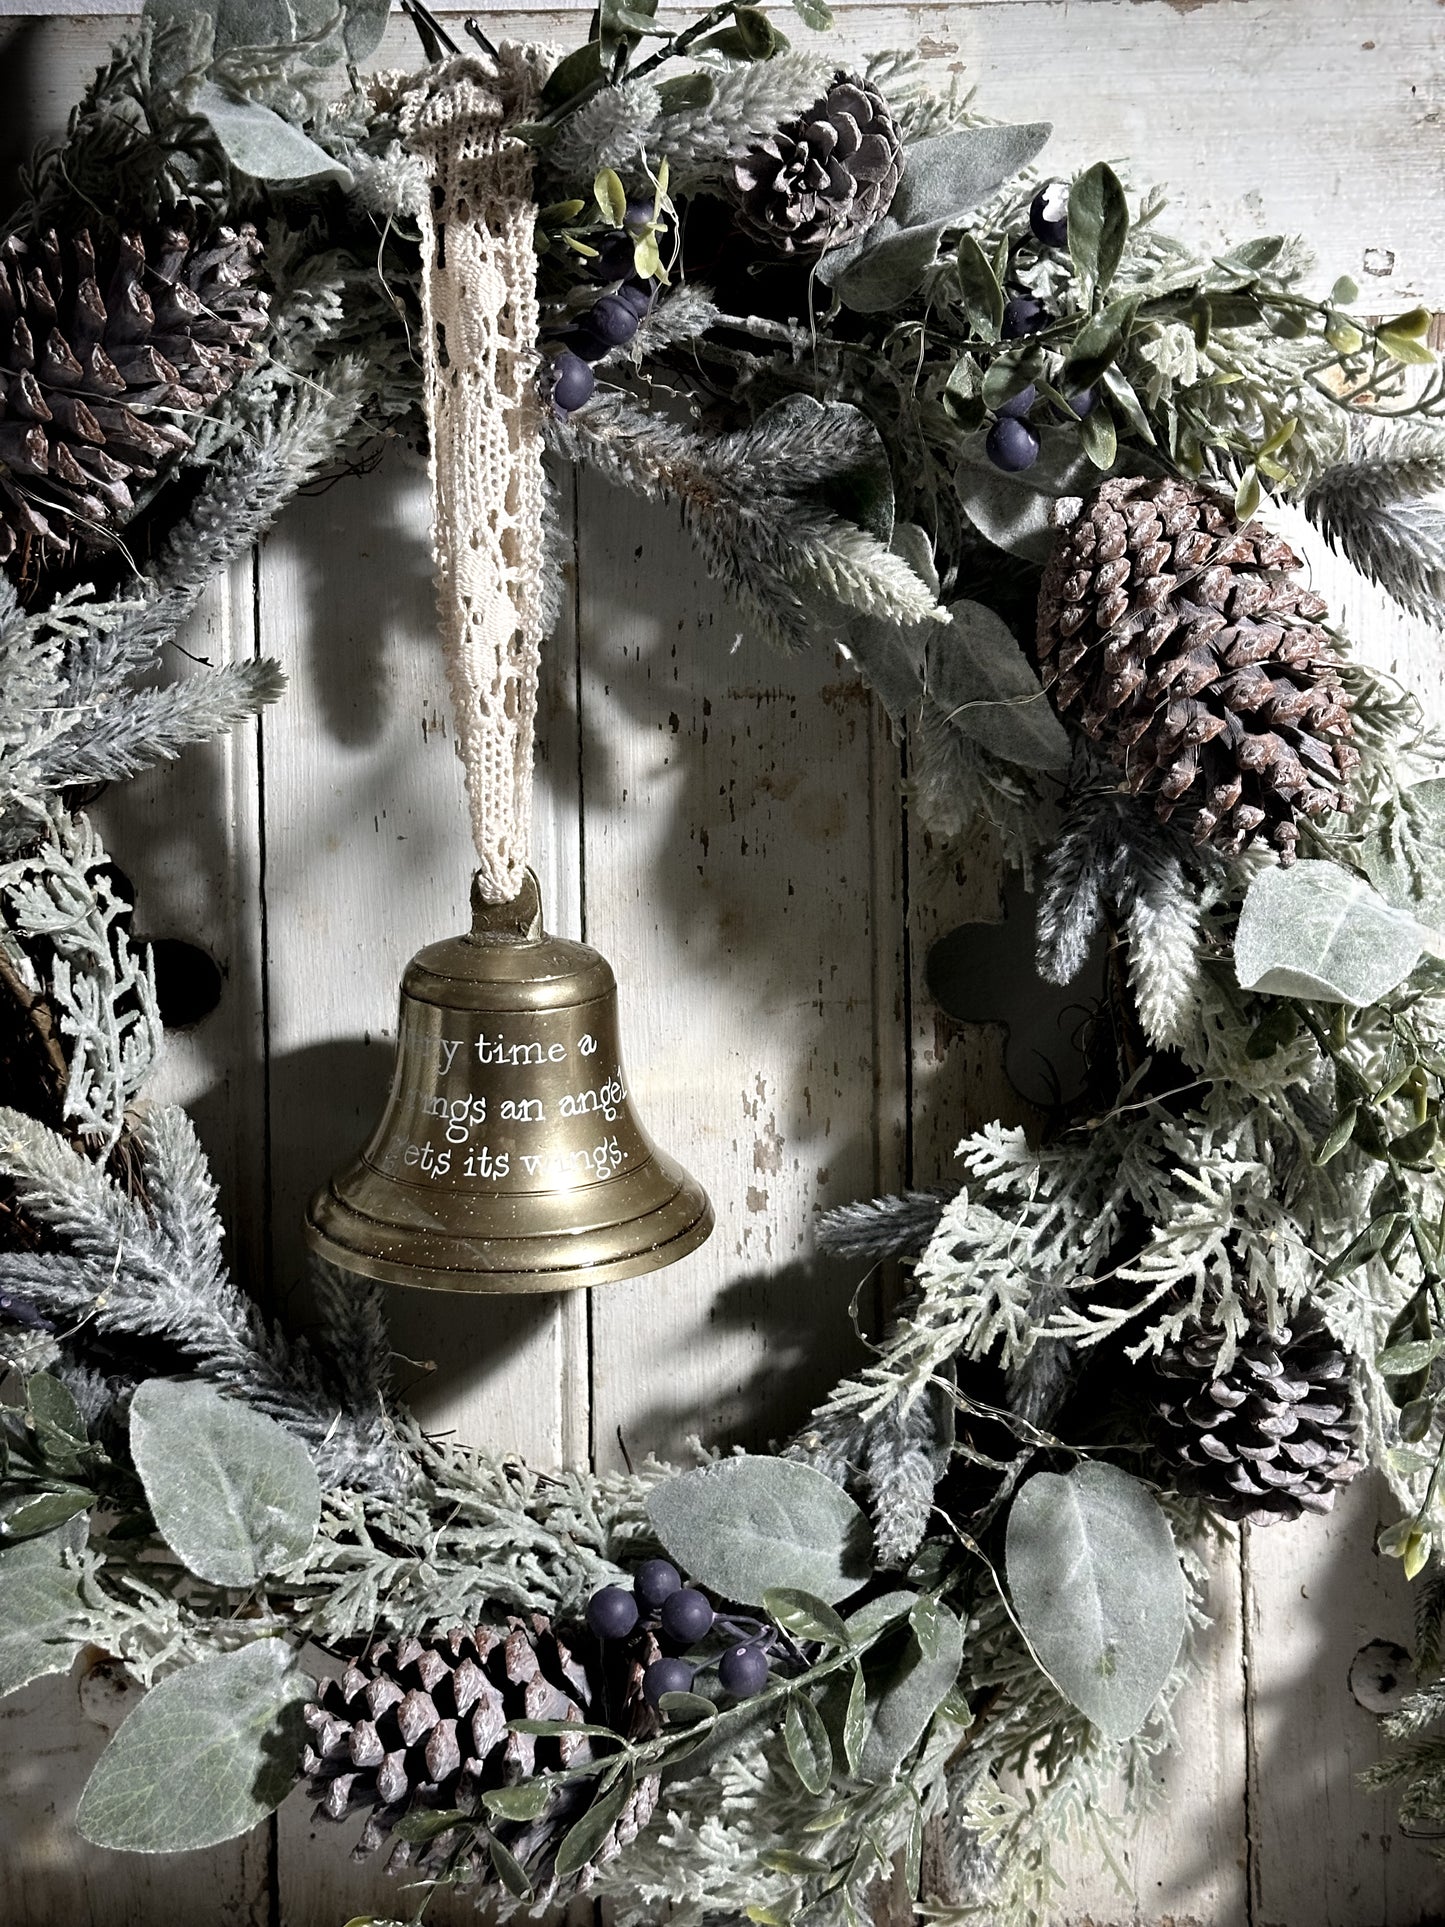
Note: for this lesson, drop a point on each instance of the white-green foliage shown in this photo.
(59, 902)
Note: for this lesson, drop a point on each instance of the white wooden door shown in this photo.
(725, 825)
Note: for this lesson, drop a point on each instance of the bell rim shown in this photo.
(497, 1282)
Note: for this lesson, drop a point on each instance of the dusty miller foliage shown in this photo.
(1200, 1197)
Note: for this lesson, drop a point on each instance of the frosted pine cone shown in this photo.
(825, 178)
(104, 354)
(426, 1724)
(1194, 657)
(1274, 1435)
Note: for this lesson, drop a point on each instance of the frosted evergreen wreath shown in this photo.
(1004, 440)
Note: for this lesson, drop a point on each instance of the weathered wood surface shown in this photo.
(726, 827)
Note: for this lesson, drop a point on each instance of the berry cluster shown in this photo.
(613, 318)
(684, 1617)
(1012, 443)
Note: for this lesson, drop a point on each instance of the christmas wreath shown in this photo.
(1024, 456)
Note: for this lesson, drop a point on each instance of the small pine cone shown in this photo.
(104, 354)
(824, 179)
(425, 1724)
(1189, 651)
(1272, 1436)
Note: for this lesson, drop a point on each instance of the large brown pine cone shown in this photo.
(1189, 651)
(825, 178)
(105, 355)
(1275, 1434)
(425, 1724)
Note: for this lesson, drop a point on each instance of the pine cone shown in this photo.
(823, 179)
(1191, 655)
(1274, 1435)
(102, 359)
(424, 1724)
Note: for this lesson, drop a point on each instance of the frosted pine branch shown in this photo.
(1384, 510)
(891, 1227)
(748, 103)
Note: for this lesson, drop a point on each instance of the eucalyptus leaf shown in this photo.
(39, 1602)
(1096, 346)
(363, 27)
(809, 1748)
(205, 1755)
(948, 175)
(814, 14)
(1097, 1588)
(687, 1709)
(234, 1494)
(906, 1685)
(1015, 512)
(525, 1801)
(1419, 887)
(687, 90)
(978, 675)
(260, 143)
(743, 1526)
(1317, 930)
(980, 287)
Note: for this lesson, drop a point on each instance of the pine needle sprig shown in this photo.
(1383, 509)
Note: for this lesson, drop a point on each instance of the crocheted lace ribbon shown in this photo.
(479, 291)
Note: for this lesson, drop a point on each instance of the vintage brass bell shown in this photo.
(508, 1158)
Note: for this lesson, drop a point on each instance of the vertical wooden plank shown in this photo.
(731, 880)
(49, 1875)
(1326, 1851)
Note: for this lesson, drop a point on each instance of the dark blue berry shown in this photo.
(586, 343)
(613, 319)
(1023, 315)
(1049, 215)
(654, 1582)
(1019, 405)
(743, 1671)
(687, 1616)
(640, 214)
(612, 1613)
(1083, 403)
(614, 258)
(572, 384)
(637, 295)
(1011, 445)
(666, 1676)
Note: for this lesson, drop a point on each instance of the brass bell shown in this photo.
(508, 1157)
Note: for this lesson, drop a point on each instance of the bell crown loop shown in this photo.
(518, 921)
(507, 961)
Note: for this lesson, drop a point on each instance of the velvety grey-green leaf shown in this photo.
(234, 1495)
(1014, 511)
(949, 174)
(39, 1601)
(979, 677)
(1316, 930)
(1096, 1585)
(204, 1756)
(906, 1686)
(258, 142)
(885, 268)
(364, 26)
(1417, 887)
(745, 1525)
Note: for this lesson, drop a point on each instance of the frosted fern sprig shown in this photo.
(1383, 509)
